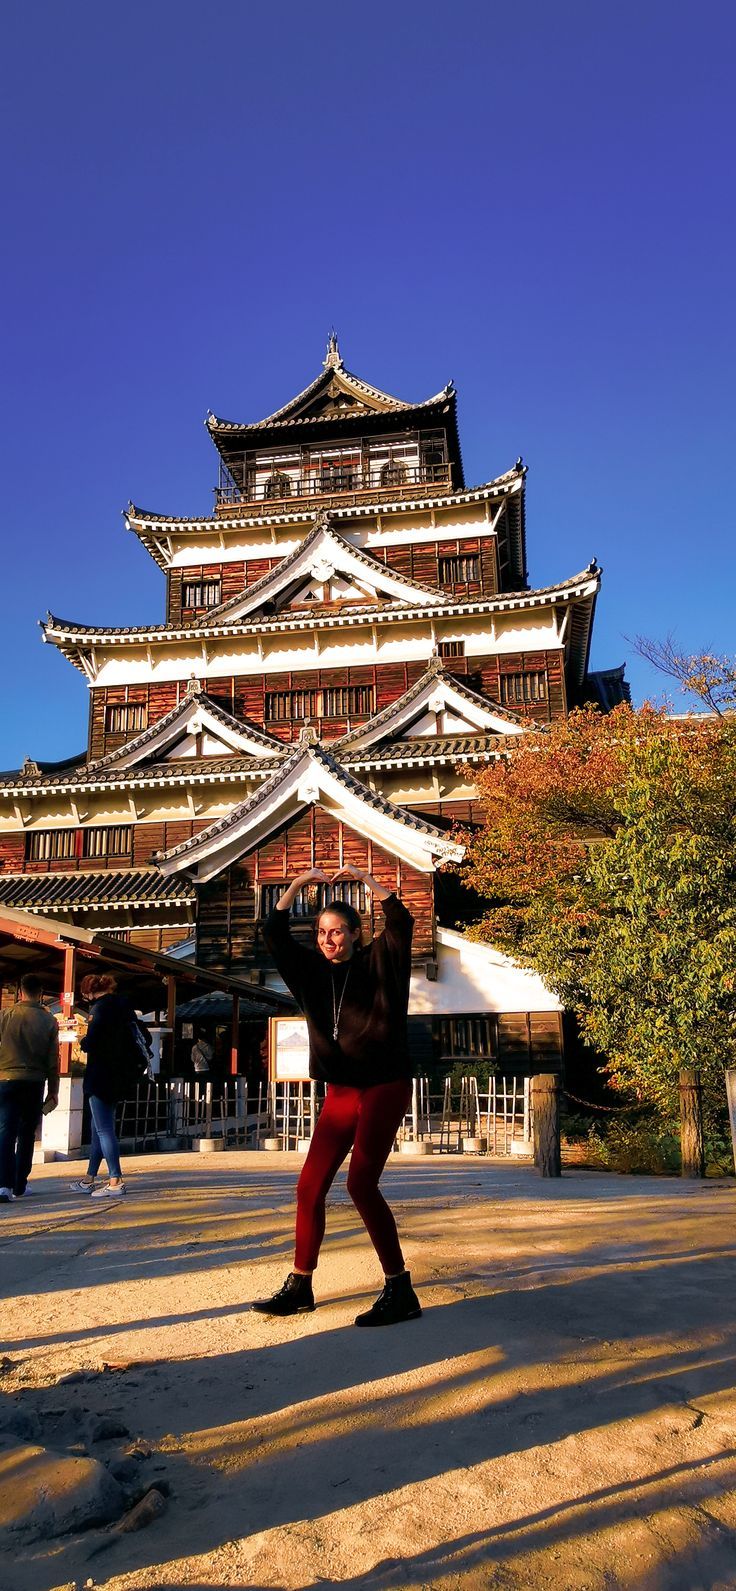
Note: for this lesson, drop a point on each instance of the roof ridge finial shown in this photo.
(334, 357)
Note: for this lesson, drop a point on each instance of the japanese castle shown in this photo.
(347, 635)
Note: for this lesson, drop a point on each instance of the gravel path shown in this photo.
(564, 1414)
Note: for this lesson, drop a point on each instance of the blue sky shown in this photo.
(536, 201)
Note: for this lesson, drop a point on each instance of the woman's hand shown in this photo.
(315, 875)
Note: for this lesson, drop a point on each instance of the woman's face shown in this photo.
(334, 938)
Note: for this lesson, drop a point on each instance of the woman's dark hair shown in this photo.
(341, 908)
(96, 984)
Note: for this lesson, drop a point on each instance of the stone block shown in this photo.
(45, 1494)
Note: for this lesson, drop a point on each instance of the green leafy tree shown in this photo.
(607, 858)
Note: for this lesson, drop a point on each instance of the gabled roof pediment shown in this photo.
(310, 776)
(334, 393)
(196, 727)
(438, 704)
(325, 568)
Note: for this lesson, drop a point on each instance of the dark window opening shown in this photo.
(336, 477)
(451, 648)
(277, 485)
(393, 473)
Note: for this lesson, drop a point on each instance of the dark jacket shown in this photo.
(109, 1045)
(29, 1045)
(372, 1045)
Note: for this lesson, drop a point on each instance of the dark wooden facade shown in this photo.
(245, 696)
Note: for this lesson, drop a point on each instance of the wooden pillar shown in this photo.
(691, 1124)
(546, 1110)
(171, 1015)
(235, 1036)
(67, 1007)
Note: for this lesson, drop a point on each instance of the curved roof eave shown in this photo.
(143, 522)
(584, 584)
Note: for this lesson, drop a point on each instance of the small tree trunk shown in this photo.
(546, 1109)
(691, 1124)
(731, 1097)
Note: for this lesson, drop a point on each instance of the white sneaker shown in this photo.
(80, 1187)
(109, 1192)
(6, 1196)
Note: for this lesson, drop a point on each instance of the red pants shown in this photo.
(366, 1119)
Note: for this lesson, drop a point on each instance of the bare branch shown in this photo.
(701, 674)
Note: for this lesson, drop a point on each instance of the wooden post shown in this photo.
(235, 1036)
(171, 1015)
(546, 1111)
(691, 1124)
(67, 1007)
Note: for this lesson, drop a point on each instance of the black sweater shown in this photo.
(107, 1045)
(371, 1046)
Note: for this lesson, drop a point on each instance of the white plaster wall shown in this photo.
(476, 978)
(351, 645)
(221, 544)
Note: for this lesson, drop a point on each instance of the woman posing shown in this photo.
(111, 1045)
(355, 1001)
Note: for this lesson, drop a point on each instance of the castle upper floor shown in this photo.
(341, 440)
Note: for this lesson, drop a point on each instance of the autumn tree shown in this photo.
(607, 862)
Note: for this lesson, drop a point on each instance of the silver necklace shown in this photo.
(337, 1007)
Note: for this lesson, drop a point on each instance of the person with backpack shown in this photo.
(29, 1064)
(116, 1049)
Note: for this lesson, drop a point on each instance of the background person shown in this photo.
(115, 1047)
(202, 1056)
(29, 1063)
(355, 1000)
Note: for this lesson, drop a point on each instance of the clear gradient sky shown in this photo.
(535, 199)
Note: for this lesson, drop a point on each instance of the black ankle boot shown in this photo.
(397, 1302)
(294, 1298)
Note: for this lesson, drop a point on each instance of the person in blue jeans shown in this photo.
(107, 1044)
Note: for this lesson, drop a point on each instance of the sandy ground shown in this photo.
(563, 1415)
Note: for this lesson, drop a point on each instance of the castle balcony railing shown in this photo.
(338, 488)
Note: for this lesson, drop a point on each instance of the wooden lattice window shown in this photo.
(113, 840)
(201, 593)
(62, 845)
(315, 898)
(522, 688)
(347, 701)
(467, 1038)
(459, 568)
(335, 701)
(280, 706)
(451, 648)
(53, 845)
(125, 718)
